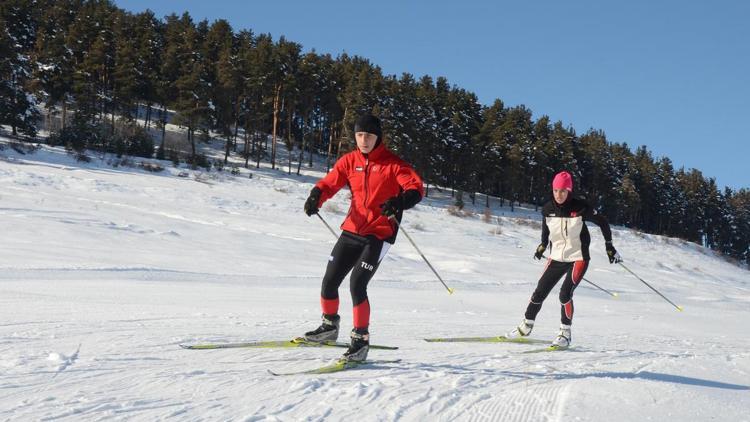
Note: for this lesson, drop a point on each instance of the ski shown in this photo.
(496, 339)
(296, 342)
(338, 366)
(548, 349)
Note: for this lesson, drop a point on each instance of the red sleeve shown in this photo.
(408, 179)
(333, 181)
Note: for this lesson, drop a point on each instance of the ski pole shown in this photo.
(329, 227)
(594, 284)
(613, 294)
(450, 291)
(679, 308)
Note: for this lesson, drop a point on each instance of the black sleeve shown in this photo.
(601, 221)
(410, 198)
(545, 231)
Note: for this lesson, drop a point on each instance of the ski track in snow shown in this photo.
(106, 271)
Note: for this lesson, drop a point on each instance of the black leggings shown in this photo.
(361, 255)
(573, 271)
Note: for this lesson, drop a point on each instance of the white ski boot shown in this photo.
(563, 338)
(523, 329)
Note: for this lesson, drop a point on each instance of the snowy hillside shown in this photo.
(105, 271)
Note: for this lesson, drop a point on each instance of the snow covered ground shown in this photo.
(105, 271)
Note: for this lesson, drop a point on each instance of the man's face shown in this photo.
(365, 141)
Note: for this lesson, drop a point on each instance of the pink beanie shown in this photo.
(563, 180)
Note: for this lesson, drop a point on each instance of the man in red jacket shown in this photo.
(382, 187)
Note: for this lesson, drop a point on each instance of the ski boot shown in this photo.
(523, 329)
(328, 330)
(563, 338)
(359, 346)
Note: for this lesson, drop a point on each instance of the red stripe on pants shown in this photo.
(568, 309)
(362, 314)
(329, 306)
(578, 268)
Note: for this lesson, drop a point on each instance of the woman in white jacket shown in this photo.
(564, 229)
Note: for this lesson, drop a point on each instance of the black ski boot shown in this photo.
(328, 330)
(359, 346)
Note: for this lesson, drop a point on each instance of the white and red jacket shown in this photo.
(564, 227)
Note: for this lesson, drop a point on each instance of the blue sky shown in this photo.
(671, 75)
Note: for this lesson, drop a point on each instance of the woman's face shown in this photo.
(365, 141)
(560, 195)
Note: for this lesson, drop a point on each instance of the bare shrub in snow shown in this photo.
(458, 211)
(534, 224)
(487, 216)
(152, 167)
(454, 211)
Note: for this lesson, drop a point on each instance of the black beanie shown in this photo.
(370, 124)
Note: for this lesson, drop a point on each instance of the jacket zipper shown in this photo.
(565, 236)
(367, 191)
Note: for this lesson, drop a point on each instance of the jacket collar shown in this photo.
(378, 152)
(565, 205)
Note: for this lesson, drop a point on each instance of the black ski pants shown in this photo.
(361, 255)
(573, 272)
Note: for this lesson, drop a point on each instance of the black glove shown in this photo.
(540, 251)
(392, 206)
(612, 254)
(311, 205)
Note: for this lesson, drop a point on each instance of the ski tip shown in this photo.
(680, 308)
(450, 291)
(615, 295)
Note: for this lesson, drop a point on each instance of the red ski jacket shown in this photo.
(372, 178)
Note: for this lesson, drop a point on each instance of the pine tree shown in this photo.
(465, 121)
(490, 150)
(127, 73)
(247, 87)
(149, 49)
(224, 79)
(261, 85)
(287, 92)
(739, 204)
(53, 73)
(515, 136)
(192, 99)
(644, 178)
(310, 80)
(17, 37)
(174, 31)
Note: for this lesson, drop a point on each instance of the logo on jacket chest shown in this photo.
(375, 168)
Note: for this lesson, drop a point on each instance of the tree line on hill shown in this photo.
(96, 67)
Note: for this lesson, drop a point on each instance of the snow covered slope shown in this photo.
(105, 271)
